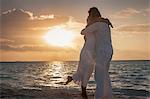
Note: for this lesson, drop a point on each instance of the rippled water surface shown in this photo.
(125, 75)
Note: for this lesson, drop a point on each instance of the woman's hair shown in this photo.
(94, 12)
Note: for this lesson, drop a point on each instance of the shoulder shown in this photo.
(96, 24)
(101, 24)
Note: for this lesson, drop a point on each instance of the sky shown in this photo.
(45, 30)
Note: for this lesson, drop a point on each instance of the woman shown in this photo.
(86, 63)
(87, 55)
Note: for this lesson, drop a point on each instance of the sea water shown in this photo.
(130, 78)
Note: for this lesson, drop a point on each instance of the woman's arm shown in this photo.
(89, 29)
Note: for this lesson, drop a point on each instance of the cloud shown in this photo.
(145, 12)
(131, 54)
(44, 48)
(17, 21)
(5, 40)
(136, 29)
(15, 14)
(130, 13)
(126, 13)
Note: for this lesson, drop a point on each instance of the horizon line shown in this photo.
(70, 60)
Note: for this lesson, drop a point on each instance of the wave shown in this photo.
(48, 92)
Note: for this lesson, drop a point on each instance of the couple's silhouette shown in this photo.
(96, 53)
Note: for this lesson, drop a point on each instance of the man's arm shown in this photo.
(89, 29)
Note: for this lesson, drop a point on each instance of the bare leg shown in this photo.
(84, 94)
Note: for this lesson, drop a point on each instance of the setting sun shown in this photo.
(59, 36)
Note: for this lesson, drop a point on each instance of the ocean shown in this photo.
(128, 78)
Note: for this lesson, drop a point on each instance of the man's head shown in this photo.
(94, 12)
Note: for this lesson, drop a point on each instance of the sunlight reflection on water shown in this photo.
(130, 75)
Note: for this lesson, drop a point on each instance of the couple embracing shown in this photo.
(96, 53)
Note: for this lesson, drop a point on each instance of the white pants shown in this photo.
(103, 84)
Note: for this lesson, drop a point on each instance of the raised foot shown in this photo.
(69, 79)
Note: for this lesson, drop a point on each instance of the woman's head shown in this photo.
(94, 12)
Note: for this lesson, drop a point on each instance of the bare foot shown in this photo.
(84, 94)
(69, 79)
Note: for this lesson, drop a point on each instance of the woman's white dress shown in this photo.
(86, 62)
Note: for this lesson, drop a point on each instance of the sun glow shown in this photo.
(59, 36)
